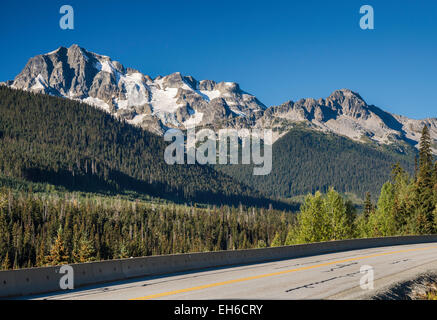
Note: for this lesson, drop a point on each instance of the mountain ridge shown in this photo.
(178, 101)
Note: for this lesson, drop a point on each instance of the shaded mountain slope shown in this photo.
(64, 142)
(305, 160)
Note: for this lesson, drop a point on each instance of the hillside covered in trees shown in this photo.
(305, 161)
(407, 205)
(41, 229)
(66, 143)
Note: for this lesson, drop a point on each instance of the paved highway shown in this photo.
(327, 276)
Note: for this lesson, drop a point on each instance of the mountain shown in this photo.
(172, 101)
(306, 160)
(66, 143)
(346, 113)
(177, 101)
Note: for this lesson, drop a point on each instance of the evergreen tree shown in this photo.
(310, 220)
(323, 218)
(6, 262)
(16, 264)
(403, 199)
(425, 204)
(337, 217)
(4, 238)
(368, 205)
(41, 255)
(383, 223)
(434, 181)
(57, 253)
(277, 242)
(86, 250)
(123, 251)
(291, 236)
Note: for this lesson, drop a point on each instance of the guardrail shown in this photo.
(34, 281)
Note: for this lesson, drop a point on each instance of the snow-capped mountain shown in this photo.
(177, 101)
(155, 104)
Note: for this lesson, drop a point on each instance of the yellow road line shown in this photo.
(211, 285)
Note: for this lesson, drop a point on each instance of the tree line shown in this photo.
(40, 229)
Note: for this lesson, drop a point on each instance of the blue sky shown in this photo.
(277, 50)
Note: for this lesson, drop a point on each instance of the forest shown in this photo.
(333, 161)
(67, 173)
(49, 230)
(61, 142)
(38, 229)
(407, 205)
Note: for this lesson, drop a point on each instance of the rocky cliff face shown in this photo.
(177, 101)
(346, 113)
(155, 104)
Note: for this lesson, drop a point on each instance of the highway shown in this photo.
(327, 276)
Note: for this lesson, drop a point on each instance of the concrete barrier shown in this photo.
(43, 280)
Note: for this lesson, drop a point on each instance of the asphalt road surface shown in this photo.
(327, 276)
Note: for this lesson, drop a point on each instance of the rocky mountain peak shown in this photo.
(346, 113)
(156, 104)
(347, 102)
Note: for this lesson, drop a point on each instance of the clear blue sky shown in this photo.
(277, 50)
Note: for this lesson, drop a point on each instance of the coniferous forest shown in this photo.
(65, 143)
(81, 161)
(49, 230)
(332, 160)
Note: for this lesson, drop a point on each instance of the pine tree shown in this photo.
(41, 255)
(336, 216)
(403, 200)
(291, 236)
(276, 240)
(4, 234)
(434, 182)
(383, 221)
(416, 167)
(123, 252)
(310, 220)
(57, 254)
(6, 262)
(86, 250)
(425, 204)
(368, 205)
(16, 264)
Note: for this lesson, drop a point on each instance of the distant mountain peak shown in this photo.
(346, 113)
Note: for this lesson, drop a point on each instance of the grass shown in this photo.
(432, 293)
(429, 294)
